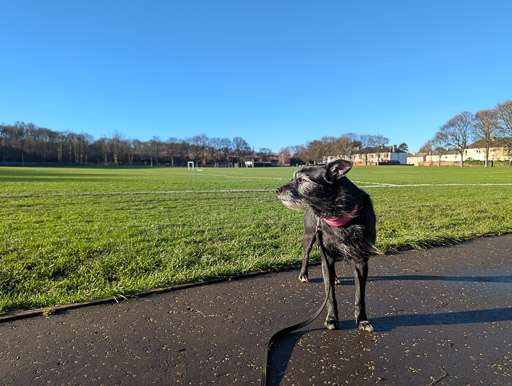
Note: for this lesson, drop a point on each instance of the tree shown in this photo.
(241, 149)
(457, 132)
(437, 145)
(504, 114)
(215, 146)
(226, 149)
(403, 146)
(297, 152)
(284, 157)
(485, 129)
(427, 146)
(345, 145)
(265, 154)
(173, 145)
(378, 142)
(314, 152)
(329, 147)
(115, 146)
(197, 146)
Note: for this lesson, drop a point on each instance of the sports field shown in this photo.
(71, 234)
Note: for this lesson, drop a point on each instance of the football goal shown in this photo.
(191, 165)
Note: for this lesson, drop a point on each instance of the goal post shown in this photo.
(190, 165)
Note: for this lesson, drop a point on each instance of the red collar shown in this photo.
(340, 221)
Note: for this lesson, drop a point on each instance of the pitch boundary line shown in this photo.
(237, 177)
(28, 195)
(380, 185)
(427, 185)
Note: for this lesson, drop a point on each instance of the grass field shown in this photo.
(71, 234)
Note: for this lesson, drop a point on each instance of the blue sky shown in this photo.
(277, 73)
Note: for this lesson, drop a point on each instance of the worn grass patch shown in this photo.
(61, 243)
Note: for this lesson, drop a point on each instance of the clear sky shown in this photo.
(274, 72)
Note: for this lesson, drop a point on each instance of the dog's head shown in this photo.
(317, 186)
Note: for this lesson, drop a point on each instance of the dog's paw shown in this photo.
(303, 278)
(331, 324)
(365, 326)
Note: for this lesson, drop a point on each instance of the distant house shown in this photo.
(430, 158)
(388, 155)
(500, 150)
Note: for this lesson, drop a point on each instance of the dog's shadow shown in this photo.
(282, 350)
(475, 279)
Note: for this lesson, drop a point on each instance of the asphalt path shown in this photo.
(441, 316)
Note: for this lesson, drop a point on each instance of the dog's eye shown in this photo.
(300, 180)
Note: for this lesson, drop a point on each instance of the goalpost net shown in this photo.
(191, 165)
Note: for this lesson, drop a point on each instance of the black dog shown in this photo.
(343, 216)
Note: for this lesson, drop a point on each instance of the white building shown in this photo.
(389, 155)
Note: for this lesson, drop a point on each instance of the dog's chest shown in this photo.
(344, 242)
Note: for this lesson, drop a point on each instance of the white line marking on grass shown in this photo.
(238, 177)
(251, 178)
(376, 183)
(428, 185)
(27, 195)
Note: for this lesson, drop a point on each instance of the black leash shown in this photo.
(284, 331)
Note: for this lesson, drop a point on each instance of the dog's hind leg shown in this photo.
(361, 275)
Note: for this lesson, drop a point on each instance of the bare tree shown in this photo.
(437, 145)
(365, 140)
(226, 149)
(485, 129)
(265, 153)
(377, 142)
(504, 114)
(284, 157)
(345, 145)
(329, 147)
(241, 148)
(198, 145)
(215, 146)
(457, 133)
(173, 145)
(115, 146)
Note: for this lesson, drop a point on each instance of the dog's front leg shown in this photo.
(307, 243)
(361, 275)
(331, 321)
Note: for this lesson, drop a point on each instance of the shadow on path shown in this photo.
(282, 350)
(474, 279)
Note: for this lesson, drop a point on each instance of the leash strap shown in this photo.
(284, 331)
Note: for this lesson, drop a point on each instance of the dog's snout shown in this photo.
(279, 190)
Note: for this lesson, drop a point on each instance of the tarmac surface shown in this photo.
(441, 316)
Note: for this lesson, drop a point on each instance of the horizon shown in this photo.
(276, 74)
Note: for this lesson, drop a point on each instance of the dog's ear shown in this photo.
(337, 169)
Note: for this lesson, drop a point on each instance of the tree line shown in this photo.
(27, 143)
(485, 127)
(23, 143)
(343, 146)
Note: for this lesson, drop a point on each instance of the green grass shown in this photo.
(60, 244)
